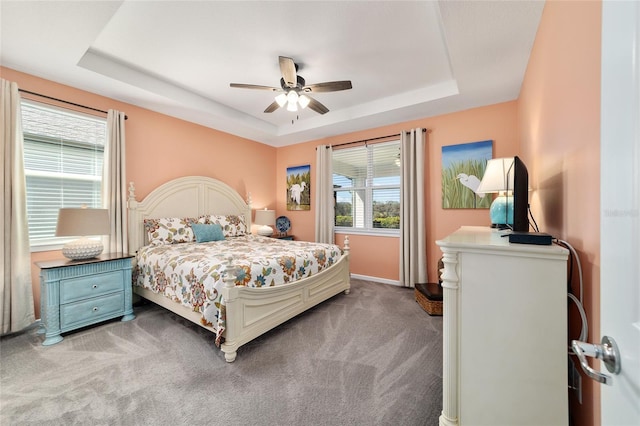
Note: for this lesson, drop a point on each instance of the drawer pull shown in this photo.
(95, 309)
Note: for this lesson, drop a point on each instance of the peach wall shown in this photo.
(160, 148)
(559, 126)
(379, 256)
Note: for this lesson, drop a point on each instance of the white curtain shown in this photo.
(114, 187)
(413, 251)
(324, 195)
(16, 297)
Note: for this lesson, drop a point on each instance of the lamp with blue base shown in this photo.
(501, 211)
(498, 178)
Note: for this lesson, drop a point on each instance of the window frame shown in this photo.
(369, 189)
(55, 243)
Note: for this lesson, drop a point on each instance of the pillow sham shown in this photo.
(232, 225)
(205, 233)
(169, 230)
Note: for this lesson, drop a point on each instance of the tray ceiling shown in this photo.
(406, 59)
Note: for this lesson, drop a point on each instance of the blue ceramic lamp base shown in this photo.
(501, 211)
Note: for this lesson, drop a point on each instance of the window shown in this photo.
(63, 152)
(366, 185)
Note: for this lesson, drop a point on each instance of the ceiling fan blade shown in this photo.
(255, 86)
(329, 86)
(274, 106)
(317, 106)
(288, 71)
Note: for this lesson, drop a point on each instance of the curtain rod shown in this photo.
(369, 139)
(66, 102)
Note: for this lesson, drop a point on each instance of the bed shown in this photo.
(245, 311)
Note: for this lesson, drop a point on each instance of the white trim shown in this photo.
(376, 279)
(395, 233)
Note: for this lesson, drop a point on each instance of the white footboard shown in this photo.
(251, 312)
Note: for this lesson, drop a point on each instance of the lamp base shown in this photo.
(501, 211)
(83, 248)
(265, 231)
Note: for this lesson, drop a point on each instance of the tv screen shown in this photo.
(520, 196)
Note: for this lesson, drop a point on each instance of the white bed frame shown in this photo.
(250, 311)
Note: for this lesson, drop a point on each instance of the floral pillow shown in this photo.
(232, 225)
(169, 230)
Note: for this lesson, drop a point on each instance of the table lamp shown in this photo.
(81, 222)
(498, 178)
(266, 218)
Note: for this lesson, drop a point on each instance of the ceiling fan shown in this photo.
(295, 91)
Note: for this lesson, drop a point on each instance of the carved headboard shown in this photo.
(189, 196)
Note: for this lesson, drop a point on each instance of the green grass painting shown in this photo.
(463, 166)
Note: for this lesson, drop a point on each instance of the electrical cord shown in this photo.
(584, 332)
(535, 224)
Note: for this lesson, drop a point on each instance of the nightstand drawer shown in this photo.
(89, 311)
(90, 286)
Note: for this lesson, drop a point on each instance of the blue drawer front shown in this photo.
(80, 288)
(74, 315)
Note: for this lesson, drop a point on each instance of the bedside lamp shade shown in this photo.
(81, 222)
(266, 218)
(498, 178)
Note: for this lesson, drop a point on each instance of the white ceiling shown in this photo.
(406, 59)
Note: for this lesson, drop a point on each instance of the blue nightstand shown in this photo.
(77, 293)
(284, 237)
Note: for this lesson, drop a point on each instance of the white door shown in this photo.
(620, 207)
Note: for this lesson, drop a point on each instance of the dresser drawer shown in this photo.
(78, 314)
(80, 288)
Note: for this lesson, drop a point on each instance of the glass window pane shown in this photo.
(386, 164)
(344, 208)
(386, 208)
(350, 167)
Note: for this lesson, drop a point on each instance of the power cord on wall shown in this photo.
(577, 300)
(574, 379)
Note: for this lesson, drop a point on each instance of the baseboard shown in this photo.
(376, 279)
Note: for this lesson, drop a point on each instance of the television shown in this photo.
(520, 195)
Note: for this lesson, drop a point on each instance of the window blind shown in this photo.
(63, 155)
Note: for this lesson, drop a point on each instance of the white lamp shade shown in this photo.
(76, 222)
(82, 222)
(498, 176)
(266, 218)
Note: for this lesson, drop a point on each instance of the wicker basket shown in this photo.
(429, 296)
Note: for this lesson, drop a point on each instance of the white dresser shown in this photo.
(505, 331)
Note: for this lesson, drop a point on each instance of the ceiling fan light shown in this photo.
(281, 99)
(292, 99)
(292, 96)
(303, 100)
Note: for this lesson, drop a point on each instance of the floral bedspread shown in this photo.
(192, 274)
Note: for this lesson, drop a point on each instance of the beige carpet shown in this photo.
(372, 357)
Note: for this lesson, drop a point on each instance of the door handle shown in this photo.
(607, 351)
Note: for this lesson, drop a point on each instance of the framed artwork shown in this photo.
(463, 167)
(299, 188)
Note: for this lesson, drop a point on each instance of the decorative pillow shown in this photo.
(169, 230)
(205, 233)
(232, 225)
